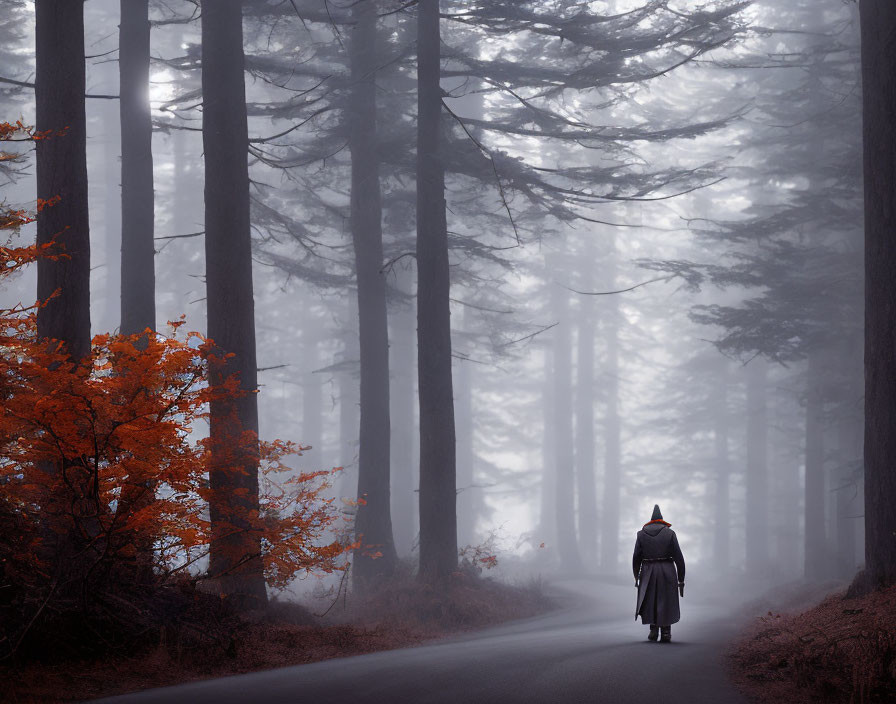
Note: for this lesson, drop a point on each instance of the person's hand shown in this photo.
(681, 589)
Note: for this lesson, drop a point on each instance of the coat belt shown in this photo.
(657, 559)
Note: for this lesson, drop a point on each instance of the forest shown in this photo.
(331, 328)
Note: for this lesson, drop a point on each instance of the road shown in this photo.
(590, 651)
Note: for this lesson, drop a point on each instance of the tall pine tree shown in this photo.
(235, 558)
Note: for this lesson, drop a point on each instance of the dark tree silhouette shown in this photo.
(235, 557)
(374, 521)
(63, 283)
(62, 171)
(438, 520)
(879, 78)
(138, 310)
(137, 276)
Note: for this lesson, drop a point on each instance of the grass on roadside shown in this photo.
(842, 650)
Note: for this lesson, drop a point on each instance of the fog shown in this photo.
(654, 247)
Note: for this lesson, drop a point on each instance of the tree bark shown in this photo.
(438, 519)
(879, 76)
(814, 533)
(138, 308)
(64, 284)
(757, 469)
(374, 519)
(62, 171)
(850, 434)
(235, 557)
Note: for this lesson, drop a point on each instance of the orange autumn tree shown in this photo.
(122, 424)
(102, 457)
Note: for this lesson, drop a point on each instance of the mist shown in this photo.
(521, 271)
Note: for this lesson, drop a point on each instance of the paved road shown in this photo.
(585, 652)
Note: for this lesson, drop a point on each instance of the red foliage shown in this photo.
(122, 424)
(842, 650)
(474, 557)
(105, 471)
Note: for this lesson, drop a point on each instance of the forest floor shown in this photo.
(401, 614)
(839, 650)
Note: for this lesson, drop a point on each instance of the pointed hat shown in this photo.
(657, 516)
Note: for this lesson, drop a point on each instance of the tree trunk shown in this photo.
(879, 76)
(814, 533)
(438, 519)
(849, 434)
(609, 550)
(138, 291)
(110, 319)
(373, 524)
(62, 171)
(788, 489)
(564, 475)
(348, 406)
(468, 497)
(235, 557)
(547, 529)
(587, 489)
(404, 436)
(722, 533)
(757, 469)
(137, 274)
(401, 32)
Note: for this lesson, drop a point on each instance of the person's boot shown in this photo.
(667, 634)
(654, 632)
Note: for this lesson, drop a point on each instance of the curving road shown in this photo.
(590, 651)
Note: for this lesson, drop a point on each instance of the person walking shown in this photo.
(659, 576)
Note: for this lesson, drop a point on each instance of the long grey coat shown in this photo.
(657, 556)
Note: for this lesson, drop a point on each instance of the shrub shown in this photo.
(103, 513)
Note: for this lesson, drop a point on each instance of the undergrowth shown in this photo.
(842, 650)
(402, 612)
